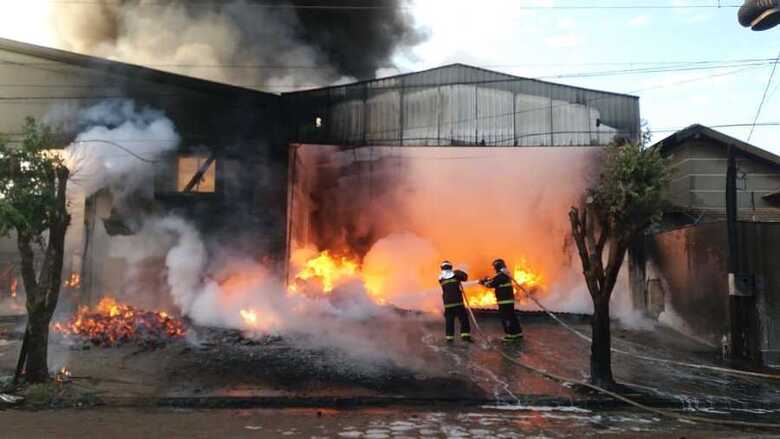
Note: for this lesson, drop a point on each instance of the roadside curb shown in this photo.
(219, 402)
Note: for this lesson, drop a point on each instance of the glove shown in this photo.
(483, 281)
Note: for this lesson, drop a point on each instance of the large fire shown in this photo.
(111, 323)
(482, 297)
(330, 271)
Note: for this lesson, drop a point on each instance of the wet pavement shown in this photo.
(400, 361)
(477, 422)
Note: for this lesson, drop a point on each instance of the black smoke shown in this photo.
(352, 37)
(361, 40)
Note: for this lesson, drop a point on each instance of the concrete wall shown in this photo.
(689, 267)
(758, 249)
(690, 264)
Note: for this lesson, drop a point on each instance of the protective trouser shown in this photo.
(450, 314)
(509, 319)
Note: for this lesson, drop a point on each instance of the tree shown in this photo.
(33, 207)
(624, 202)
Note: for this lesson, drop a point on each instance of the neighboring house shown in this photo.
(680, 273)
(698, 156)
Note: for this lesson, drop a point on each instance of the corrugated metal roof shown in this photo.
(460, 105)
(456, 73)
(124, 69)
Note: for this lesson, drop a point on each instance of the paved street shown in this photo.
(375, 423)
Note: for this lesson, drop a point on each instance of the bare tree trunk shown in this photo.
(600, 283)
(43, 290)
(601, 346)
(37, 369)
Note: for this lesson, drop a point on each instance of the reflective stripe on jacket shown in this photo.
(452, 290)
(505, 292)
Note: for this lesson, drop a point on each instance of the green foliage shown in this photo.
(28, 181)
(629, 195)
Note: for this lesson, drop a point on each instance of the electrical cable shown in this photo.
(643, 357)
(353, 7)
(565, 380)
(763, 96)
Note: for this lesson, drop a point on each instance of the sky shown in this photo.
(540, 39)
(541, 43)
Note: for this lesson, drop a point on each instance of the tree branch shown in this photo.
(578, 232)
(595, 253)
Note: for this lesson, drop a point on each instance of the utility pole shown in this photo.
(741, 284)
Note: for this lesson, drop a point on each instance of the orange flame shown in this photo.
(74, 281)
(14, 286)
(329, 270)
(111, 323)
(63, 375)
(481, 297)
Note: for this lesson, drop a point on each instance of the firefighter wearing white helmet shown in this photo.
(452, 295)
(505, 297)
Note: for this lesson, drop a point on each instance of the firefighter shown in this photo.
(505, 297)
(452, 294)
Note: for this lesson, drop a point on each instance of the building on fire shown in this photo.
(236, 173)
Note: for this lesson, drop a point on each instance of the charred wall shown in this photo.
(691, 263)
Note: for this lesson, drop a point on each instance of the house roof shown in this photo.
(697, 131)
(124, 69)
(497, 77)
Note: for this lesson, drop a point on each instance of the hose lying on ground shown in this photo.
(563, 380)
(644, 357)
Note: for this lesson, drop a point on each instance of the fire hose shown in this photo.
(639, 356)
(564, 380)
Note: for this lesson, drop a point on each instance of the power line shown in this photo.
(484, 66)
(355, 7)
(595, 74)
(763, 96)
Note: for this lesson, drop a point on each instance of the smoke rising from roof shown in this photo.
(255, 43)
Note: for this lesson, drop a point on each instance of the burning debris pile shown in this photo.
(113, 324)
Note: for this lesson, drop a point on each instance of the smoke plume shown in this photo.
(118, 147)
(254, 43)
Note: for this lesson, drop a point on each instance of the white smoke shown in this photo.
(119, 147)
(216, 294)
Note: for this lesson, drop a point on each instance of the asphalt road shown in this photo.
(364, 423)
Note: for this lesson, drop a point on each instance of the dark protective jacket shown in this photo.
(452, 290)
(502, 283)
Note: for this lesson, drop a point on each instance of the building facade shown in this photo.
(680, 272)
